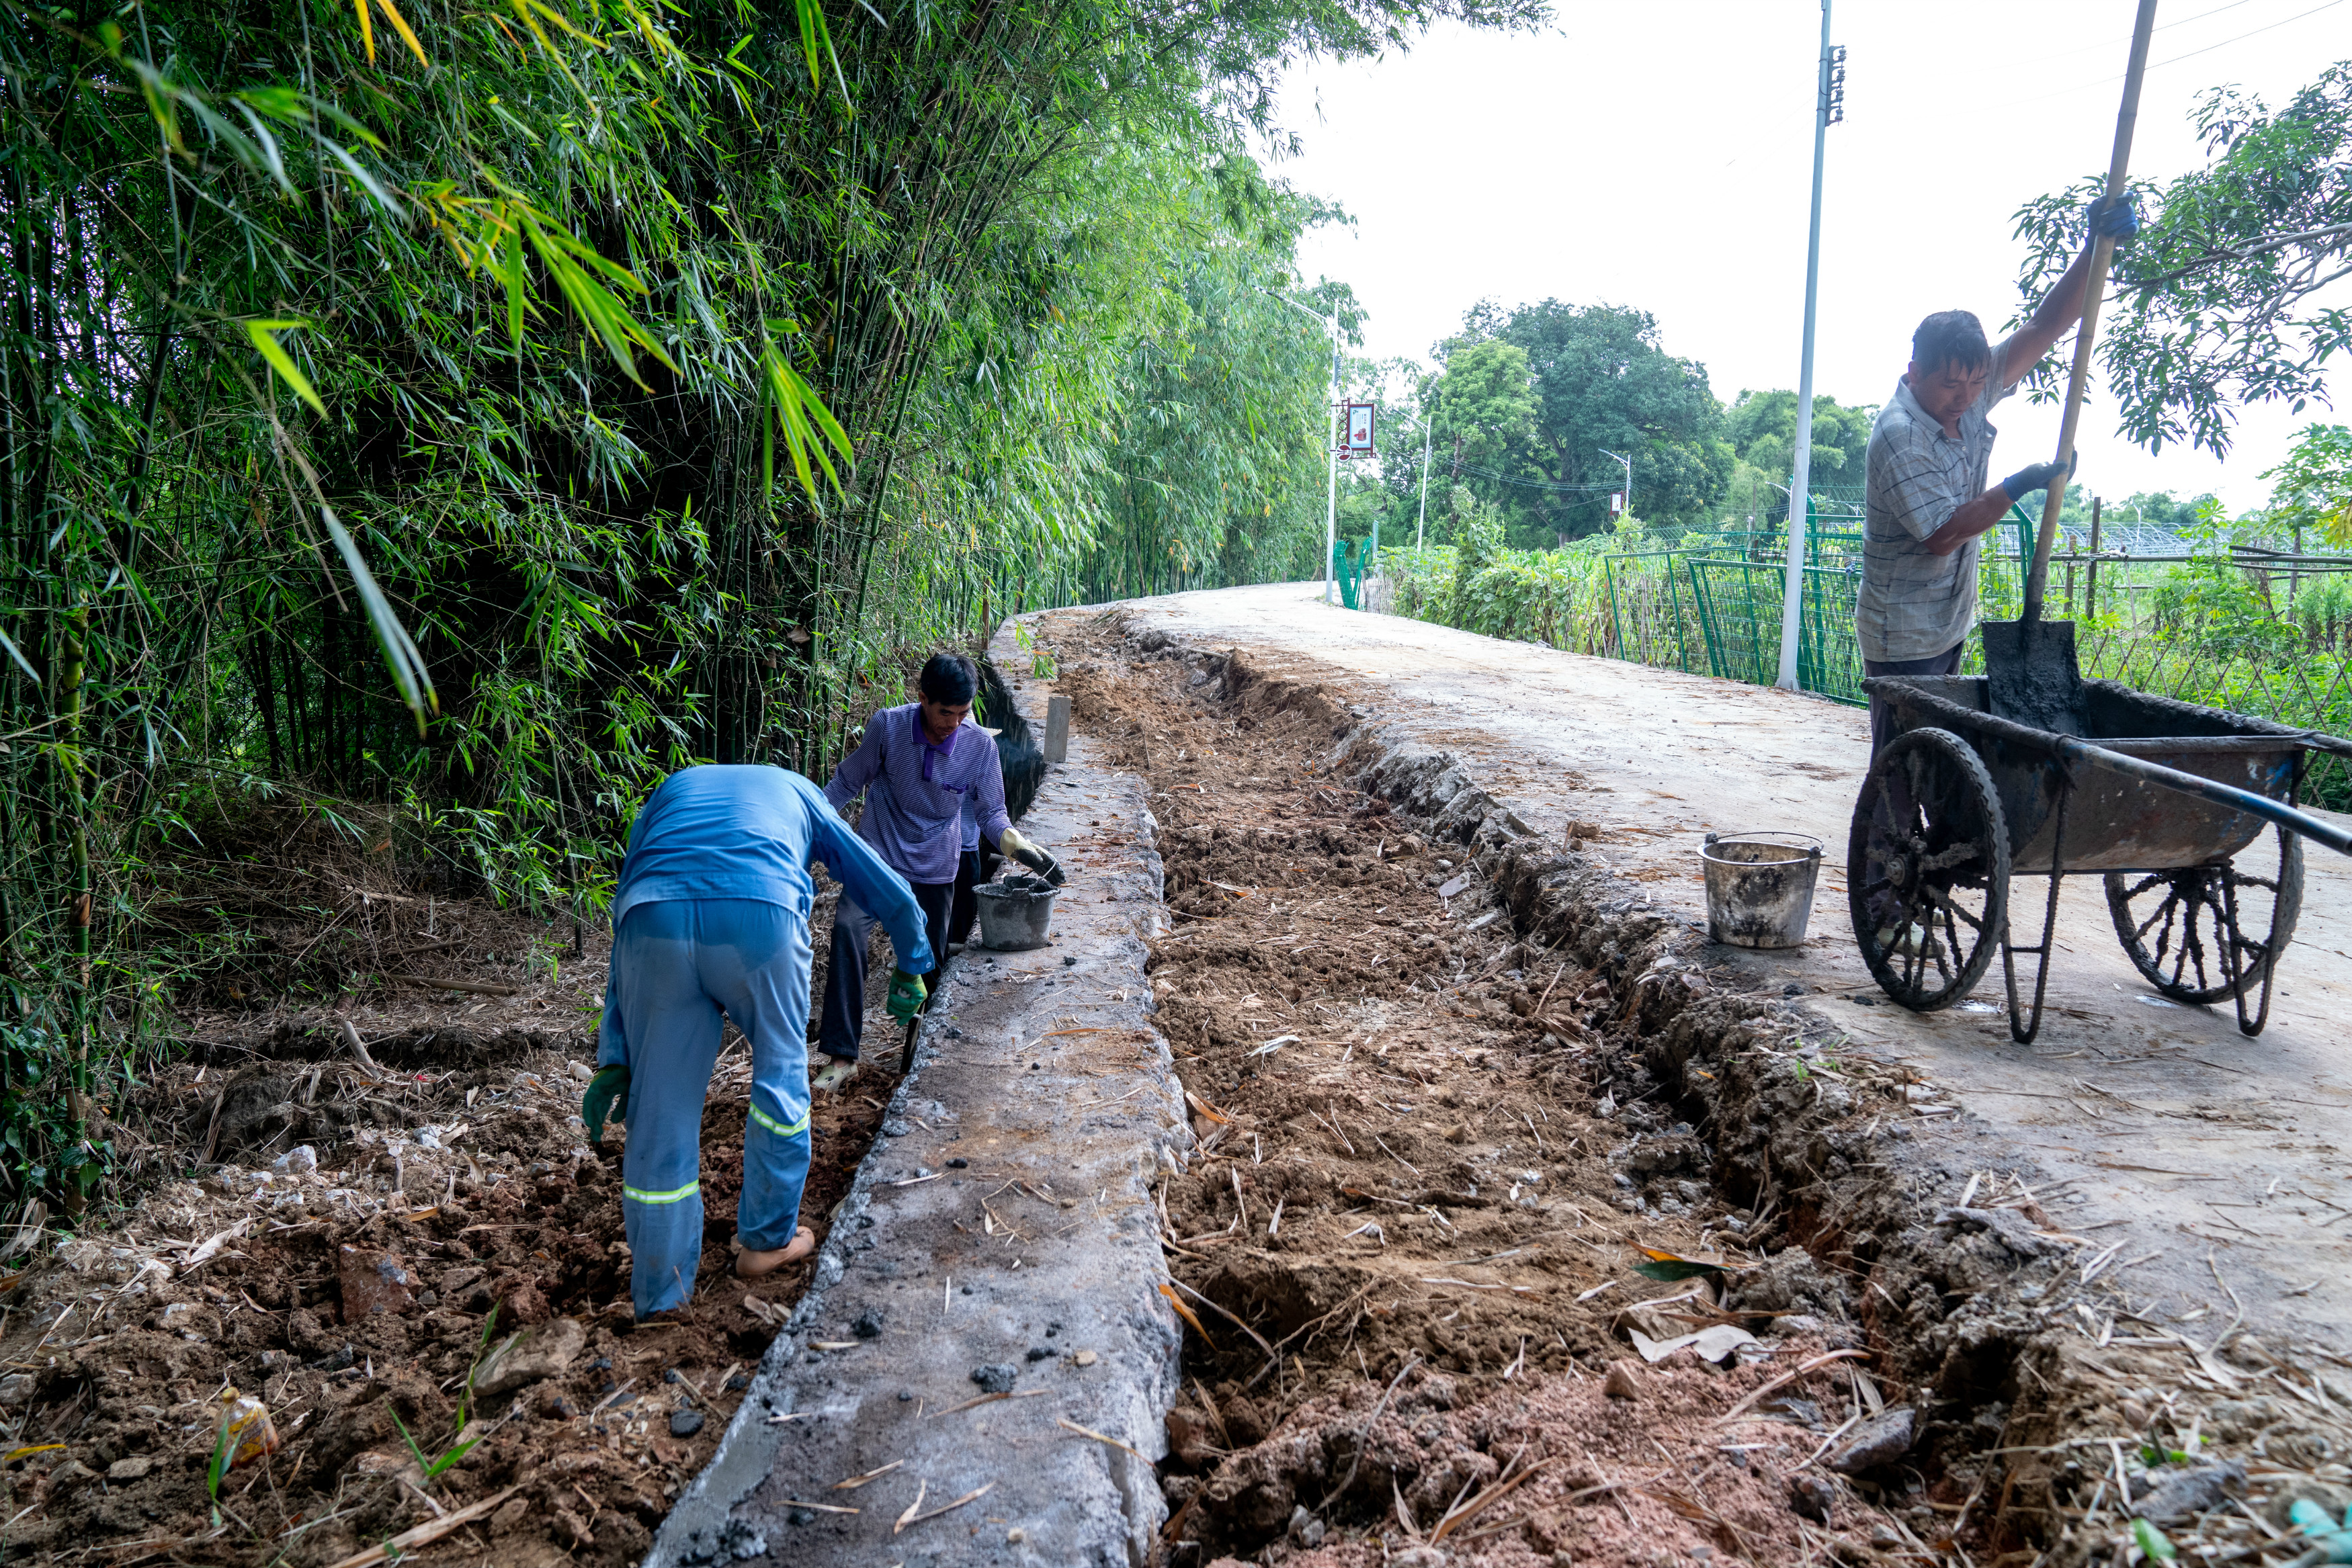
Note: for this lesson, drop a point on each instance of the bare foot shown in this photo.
(750, 1264)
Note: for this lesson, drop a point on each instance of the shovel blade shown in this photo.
(2031, 673)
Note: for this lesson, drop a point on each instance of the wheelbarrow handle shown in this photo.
(2334, 745)
(2285, 816)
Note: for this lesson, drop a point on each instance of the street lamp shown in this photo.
(1628, 461)
(1331, 452)
(1421, 527)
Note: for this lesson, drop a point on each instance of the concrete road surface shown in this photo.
(2211, 1159)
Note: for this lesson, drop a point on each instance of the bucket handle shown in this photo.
(1814, 851)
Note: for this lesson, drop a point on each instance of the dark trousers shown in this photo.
(843, 1023)
(1882, 716)
(965, 909)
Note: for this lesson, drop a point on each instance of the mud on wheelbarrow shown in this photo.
(2162, 798)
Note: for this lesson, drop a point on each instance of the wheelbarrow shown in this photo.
(2162, 798)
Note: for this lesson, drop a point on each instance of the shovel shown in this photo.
(2031, 670)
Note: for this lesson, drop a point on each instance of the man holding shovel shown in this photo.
(1927, 503)
(916, 767)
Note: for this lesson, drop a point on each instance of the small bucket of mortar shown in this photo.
(1759, 887)
(1015, 912)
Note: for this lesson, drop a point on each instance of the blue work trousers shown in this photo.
(677, 965)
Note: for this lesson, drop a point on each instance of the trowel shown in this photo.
(2031, 673)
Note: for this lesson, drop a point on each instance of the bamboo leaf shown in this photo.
(561, 20)
(265, 340)
(367, 29)
(10, 648)
(400, 655)
(814, 36)
(400, 24)
(367, 181)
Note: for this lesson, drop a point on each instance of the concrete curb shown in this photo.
(1002, 1228)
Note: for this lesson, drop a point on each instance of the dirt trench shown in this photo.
(357, 1248)
(1456, 1087)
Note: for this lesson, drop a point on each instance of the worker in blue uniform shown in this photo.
(712, 915)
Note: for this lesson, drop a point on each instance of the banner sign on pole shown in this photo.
(1616, 502)
(1358, 440)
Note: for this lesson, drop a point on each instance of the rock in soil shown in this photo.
(373, 1281)
(531, 1356)
(1881, 1440)
(2178, 1494)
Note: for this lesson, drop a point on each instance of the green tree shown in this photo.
(1485, 401)
(2312, 490)
(1762, 429)
(2222, 299)
(1603, 383)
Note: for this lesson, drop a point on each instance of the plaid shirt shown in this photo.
(1915, 605)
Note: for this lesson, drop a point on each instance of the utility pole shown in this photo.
(1421, 527)
(1332, 446)
(1829, 108)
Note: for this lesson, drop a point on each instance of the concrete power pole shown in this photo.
(1421, 527)
(1829, 108)
(1331, 448)
(1332, 457)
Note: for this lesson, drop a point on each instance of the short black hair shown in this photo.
(1950, 338)
(948, 679)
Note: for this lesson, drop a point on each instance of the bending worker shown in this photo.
(1930, 453)
(916, 767)
(712, 915)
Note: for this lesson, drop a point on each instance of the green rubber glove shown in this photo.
(2326, 1535)
(906, 993)
(607, 1096)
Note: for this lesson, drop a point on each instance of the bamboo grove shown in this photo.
(442, 419)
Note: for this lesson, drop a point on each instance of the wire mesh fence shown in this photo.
(2224, 623)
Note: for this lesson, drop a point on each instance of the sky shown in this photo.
(1660, 156)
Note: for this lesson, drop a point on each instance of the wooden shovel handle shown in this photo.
(2103, 252)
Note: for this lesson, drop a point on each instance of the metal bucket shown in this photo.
(1759, 887)
(1014, 913)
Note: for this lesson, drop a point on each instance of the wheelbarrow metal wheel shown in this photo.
(2207, 933)
(1928, 869)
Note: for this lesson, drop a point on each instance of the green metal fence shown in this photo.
(1709, 603)
(1714, 604)
(1649, 614)
(1739, 604)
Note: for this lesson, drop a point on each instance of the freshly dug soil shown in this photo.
(1426, 1157)
(354, 1250)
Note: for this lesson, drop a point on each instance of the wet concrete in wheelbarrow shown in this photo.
(981, 1366)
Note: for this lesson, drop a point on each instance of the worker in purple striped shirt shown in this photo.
(916, 767)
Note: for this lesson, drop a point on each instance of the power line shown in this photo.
(2160, 65)
(2210, 47)
(1533, 484)
(2126, 38)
